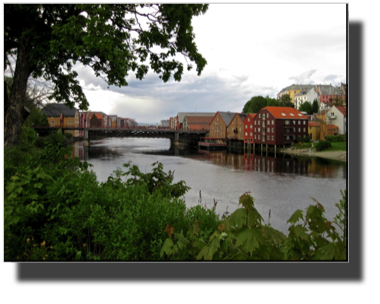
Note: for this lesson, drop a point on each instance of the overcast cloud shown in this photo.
(251, 49)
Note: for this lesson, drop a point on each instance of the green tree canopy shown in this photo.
(113, 39)
(286, 101)
(315, 106)
(255, 104)
(306, 107)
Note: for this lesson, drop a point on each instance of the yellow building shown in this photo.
(61, 116)
(314, 130)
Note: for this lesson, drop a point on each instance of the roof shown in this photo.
(331, 126)
(343, 110)
(285, 112)
(181, 115)
(313, 124)
(250, 115)
(199, 127)
(199, 119)
(56, 109)
(227, 117)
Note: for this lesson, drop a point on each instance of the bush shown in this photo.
(336, 138)
(322, 145)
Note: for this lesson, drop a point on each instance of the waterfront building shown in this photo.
(60, 115)
(196, 123)
(235, 129)
(219, 123)
(279, 126)
(248, 128)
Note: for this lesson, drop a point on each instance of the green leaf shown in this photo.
(296, 217)
(167, 247)
(249, 239)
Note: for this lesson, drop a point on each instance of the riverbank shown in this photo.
(335, 155)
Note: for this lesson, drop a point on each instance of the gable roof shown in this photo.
(342, 110)
(285, 113)
(227, 117)
(56, 109)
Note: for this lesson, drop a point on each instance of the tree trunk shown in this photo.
(14, 112)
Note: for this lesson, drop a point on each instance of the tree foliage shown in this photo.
(315, 106)
(286, 101)
(256, 103)
(306, 107)
(47, 40)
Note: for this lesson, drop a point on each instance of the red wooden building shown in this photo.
(248, 129)
(279, 126)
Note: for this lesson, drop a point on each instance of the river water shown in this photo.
(279, 183)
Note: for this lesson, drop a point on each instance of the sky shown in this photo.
(251, 50)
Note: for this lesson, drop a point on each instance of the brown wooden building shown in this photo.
(218, 125)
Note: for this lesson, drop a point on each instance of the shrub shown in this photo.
(336, 138)
(322, 145)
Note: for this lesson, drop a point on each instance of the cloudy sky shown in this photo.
(251, 50)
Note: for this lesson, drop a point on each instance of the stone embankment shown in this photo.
(335, 155)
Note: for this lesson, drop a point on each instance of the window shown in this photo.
(294, 122)
(272, 122)
(263, 116)
(287, 122)
(304, 129)
(251, 126)
(259, 115)
(246, 126)
(259, 129)
(70, 121)
(299, 129)
(239, 129)
(272, 130)
(249, 119)
(251, 134)
(299, 122)
(268, 130)
(246, 133)
(304, 122)
(255, 137)
(255, 129)
(255, 122)
(268, 137)
(272, 137)
(53, 122)
(268, 122)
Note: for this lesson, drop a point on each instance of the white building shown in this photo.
(337, 116)
(305, 96)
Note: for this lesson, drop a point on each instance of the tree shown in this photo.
(337, 101)
(255, 104)
(47, 40)
(286, 101)
(306, 107)
(315, 106)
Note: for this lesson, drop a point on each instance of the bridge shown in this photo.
(178, 138)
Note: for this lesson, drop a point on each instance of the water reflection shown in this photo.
(271, 163)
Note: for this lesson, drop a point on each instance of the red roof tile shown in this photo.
(313, 124)
(330, 126)
(343, 110)
(285, 112)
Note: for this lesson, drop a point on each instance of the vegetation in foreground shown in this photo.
(56, 210)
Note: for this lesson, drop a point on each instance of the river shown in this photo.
(278, 183)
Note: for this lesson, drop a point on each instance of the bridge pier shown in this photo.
(86, 138)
